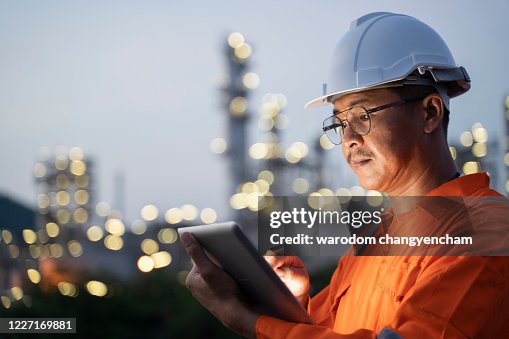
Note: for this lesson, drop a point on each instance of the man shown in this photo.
(390, 83)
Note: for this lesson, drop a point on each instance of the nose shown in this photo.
(351, 138)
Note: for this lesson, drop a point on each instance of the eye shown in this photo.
(364, 117)
(343, 124)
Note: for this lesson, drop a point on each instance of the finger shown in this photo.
(275, 251)
(295, 262)
(270, 259)
(282, 271)
(192, 276)
(275, 260)
(285, 272)
(195, 251)
(279, 261)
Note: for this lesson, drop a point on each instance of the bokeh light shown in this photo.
(34, 251)
(94, 233)
(63, 216)
(96, 288)
(235, 39)
(251, 80)
(161, 259)
(238, 106)
(80, 215)
(115, 226)
(81, 197)
(300, 186)
(145, 264)
(189, 212)
(76, 153)
(344, 195)
(102, 209)
(479, 149)
(466, 139)
(5, 301)
(39, 170)
(374, 198)
(243, 51)
(266, 175)
(167, 235)
(78, 167)
(174, 215)
(479, 133)
(29, 236)
(52, 229)
(208, 215)
(471, 167)
(56, 250)
(81, 180)
(61, 162)
(34, 275)
(258, 150)
(149, 246)
(17, 292)
(113, 242)
(218, 145)
(63, 198)
(454, 152)
(75, 249)
(43, 201)
(68, 289)
(325, 143)
(138, 226)
(7, 236)
(149, 212)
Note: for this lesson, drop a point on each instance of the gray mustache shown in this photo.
(365, 154)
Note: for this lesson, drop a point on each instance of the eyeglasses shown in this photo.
(357, 118)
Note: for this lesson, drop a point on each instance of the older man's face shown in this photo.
(388, 156)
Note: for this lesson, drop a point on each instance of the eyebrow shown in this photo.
(352, 104)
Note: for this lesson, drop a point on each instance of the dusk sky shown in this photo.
(136, 84)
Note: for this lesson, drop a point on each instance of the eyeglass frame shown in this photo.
(368, 112)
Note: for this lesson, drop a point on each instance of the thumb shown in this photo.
(195, 251)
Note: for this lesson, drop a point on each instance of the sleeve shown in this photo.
(269, 328)
(456, 297)
(319, 308)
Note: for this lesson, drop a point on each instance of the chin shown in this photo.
(370, 183)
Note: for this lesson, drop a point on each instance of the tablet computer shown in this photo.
(227, 245)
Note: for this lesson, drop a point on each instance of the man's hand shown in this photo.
(293, 273)
(217, 291)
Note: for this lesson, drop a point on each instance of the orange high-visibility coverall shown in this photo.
(413, 296)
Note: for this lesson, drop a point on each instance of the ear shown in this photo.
(433, 108)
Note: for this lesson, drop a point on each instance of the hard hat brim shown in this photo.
(456, 79)
(328, 98)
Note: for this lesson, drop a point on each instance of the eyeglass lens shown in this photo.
(356, 117)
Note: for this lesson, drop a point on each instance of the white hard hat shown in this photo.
(386, 49)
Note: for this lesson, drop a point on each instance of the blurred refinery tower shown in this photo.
(64, 207)
(84, 239)
(268, 168)
(237, 52)
(65, 194)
